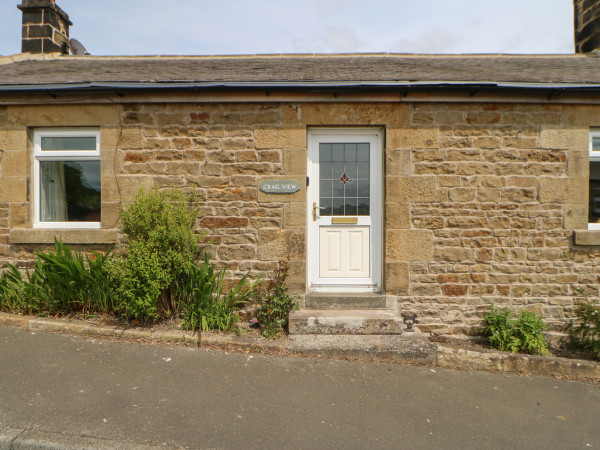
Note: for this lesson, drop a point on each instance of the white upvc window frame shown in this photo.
(60, 155)
(594, 156)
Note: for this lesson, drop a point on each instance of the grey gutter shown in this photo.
(150, 85)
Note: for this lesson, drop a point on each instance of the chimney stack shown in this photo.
(587, 25)
(45, 27)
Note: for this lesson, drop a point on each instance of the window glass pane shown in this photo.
(338, 189)
(350, 189)
(351, 207)
(324, 152)
(69, 143)
(350, 152)
(69, 191)
(363, 170)
(338, 206)
(362, 152)
(325, 188)
(363, 206)
(594, 205)
(337, 152)
(325, 204)
(596, 144)
(363, 188)
(325, 171)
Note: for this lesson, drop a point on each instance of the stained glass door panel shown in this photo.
(344, 179)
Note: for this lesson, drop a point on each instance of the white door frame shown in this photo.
(336, 135)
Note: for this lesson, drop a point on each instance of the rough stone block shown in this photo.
(13, 189)
(564, 138)
(397, 215)
(276, 244)
(274, 138)
(110, 214)
(581, 115)
(294, 215)
(348, 114)
(412, 137)
(19, 215)
(128, 186)
(13, 139)
(396, 278)
(64, 115)
(578, 164)
(294, 161)
(14, 163)
(411, 189)
(397, 162)
(41, 236)
(552, 189)
(237, 252)
(131, 138)
(408, 245)
(587, 237)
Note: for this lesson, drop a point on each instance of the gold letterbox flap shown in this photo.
(344, 220)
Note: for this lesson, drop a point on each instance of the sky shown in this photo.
(209, 27)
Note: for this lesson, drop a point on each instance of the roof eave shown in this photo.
(87, 87)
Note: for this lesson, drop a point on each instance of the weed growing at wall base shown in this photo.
(586, 334)
(518, 335)
(275, 303)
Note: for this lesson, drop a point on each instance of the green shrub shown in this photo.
(275, 303)
(203, 304)
(586, 334)
(518, 335)
(161, 245)
(61, 282)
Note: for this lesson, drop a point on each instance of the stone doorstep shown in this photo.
(345, 301)
(357, 321)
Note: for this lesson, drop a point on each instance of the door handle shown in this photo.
(315, 207)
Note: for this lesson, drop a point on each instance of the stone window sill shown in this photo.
(587, 237)
(47, 236)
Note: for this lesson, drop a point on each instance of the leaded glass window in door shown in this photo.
(344, 179)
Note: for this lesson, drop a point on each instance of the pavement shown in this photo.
(66, 391)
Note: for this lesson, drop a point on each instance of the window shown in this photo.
(67, 178)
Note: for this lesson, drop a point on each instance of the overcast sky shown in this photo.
(209, 27)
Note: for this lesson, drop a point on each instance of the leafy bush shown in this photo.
(275, 303)
(204, 306)
(520, 335)
(586, 334)
(61, 282)
(161, 245)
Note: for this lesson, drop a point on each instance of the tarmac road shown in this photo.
(124, 392)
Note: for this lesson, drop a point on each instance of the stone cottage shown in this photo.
(431, 184)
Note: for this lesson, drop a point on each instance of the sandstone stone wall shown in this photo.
(481, 200)
(492, 193)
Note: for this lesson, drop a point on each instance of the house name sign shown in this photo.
(280, 186)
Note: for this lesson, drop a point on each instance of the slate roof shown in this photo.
(352, 70)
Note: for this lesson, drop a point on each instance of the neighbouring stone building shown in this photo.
(432, 184)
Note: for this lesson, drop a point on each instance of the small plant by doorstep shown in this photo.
(522, 334)
(275, 303)
(586, 334)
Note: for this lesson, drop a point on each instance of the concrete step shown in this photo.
(345, 301)
(357, 321)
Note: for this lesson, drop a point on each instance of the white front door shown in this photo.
(345, 191)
